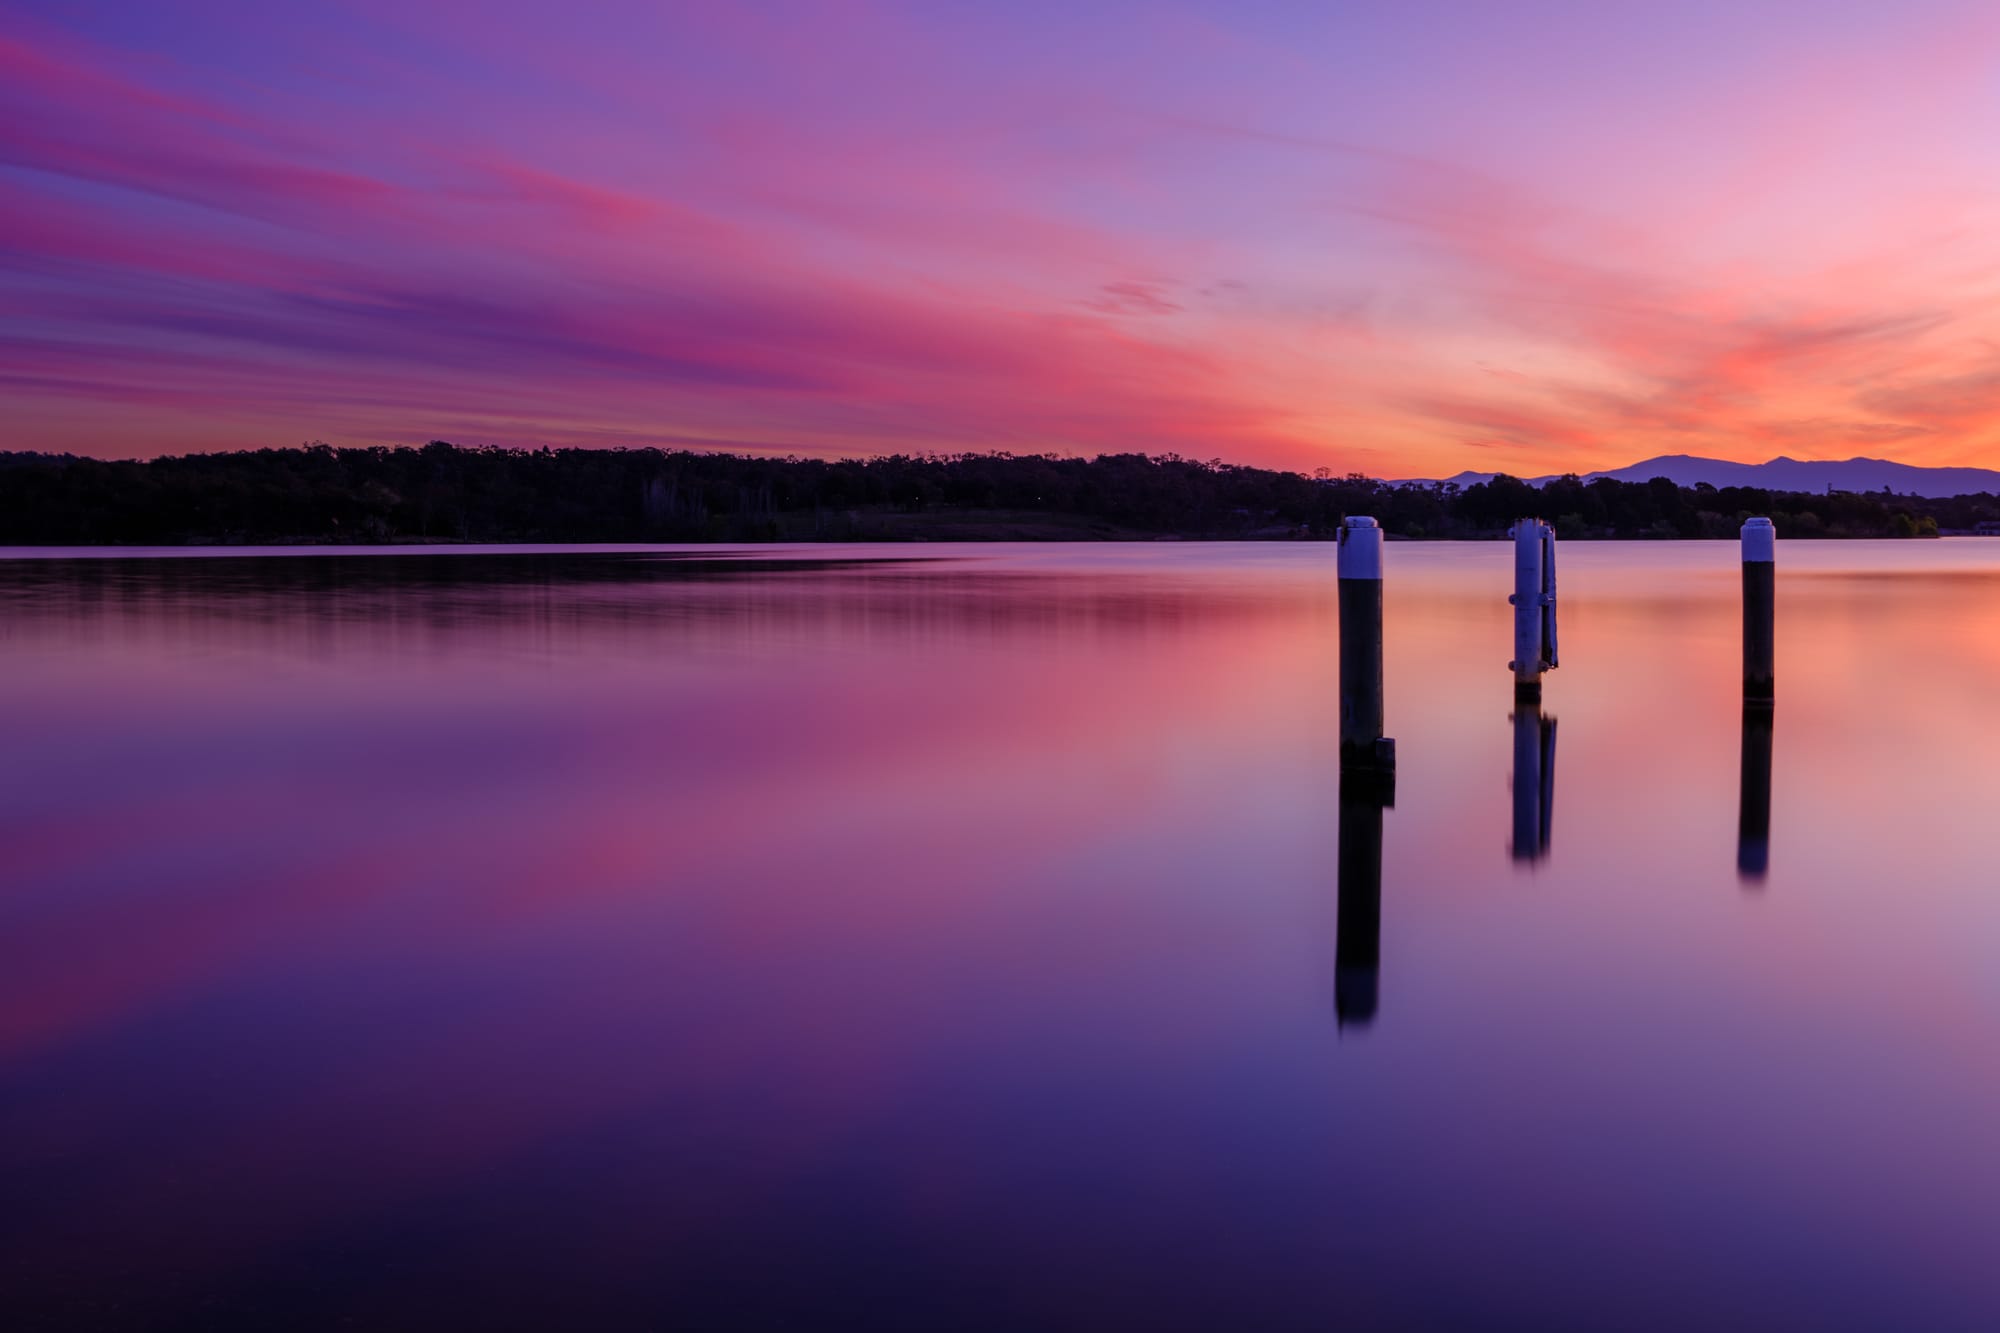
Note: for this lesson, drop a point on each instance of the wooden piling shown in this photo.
(1760, 542)
(1534, 603)
(1362, 745)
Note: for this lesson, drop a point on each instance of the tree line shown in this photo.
(443, 492)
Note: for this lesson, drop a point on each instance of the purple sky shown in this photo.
(1404, 238)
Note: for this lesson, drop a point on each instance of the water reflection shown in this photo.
(367, 610)
(1753, 816)
(583, 942)
(1534, 782)
(1357, 950)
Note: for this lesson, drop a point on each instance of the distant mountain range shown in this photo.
(1792, 474)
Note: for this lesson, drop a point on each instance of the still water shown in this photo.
(938, 937)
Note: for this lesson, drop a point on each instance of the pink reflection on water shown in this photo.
(991, 900)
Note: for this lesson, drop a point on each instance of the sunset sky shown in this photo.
(1399, 238)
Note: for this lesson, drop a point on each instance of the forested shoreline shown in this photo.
(446, 493)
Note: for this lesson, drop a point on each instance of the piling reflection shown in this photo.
(1357, 950)
(1753, 818)
(1534, 782)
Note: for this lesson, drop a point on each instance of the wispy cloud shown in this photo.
(875, 227)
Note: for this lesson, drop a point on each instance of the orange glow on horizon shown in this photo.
(1772, 239)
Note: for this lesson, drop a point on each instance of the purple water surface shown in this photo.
(927, 937)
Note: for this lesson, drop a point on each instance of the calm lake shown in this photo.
(929, 937)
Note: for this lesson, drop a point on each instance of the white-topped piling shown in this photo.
(1534, 602)
(1362, 745)
(1760, 587)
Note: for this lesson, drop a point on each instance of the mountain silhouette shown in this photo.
(1792, 474)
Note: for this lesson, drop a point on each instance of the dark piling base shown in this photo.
(1759, 639)
(1360, 672)
(1376, 757)
(1370, 781)
(1753, 819)
(1357, 948)
(1534, 783)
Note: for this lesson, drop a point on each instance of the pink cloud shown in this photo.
(862, 230)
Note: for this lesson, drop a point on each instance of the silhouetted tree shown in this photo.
(441, 492)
